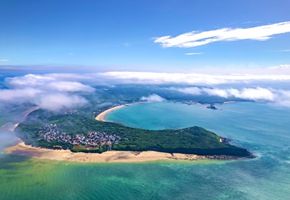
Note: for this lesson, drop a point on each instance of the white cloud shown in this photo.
(50, 100)
(191, 78)
(36, 80)
(59, 101)
(67, 86)
(216, 92)
(206, 76)
(7, 139)
(46, 91)
(56, 91)
(193, 53)
(195, 38)
(19, 95)
(256, 94)
(152, 98)
(252, 93)
(48, 82)
(29, 80)
(188, 90)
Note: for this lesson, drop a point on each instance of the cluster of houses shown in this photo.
(93, 139)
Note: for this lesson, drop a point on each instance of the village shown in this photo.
(93, 139)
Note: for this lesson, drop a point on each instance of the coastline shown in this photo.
(102, 115)
(11, 126)
(107, 157)
(23, 149)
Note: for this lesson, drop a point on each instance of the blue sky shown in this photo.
(123, 35)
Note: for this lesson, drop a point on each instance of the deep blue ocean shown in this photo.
(264, 129)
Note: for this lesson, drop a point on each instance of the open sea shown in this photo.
(264, 129)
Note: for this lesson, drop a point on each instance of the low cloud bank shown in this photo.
(71, 82)
(46, 91)
(192, 78)
(58, 101)
(48, 82)
(6, 139)
(152, 98)
(281, 97)
(63, 90)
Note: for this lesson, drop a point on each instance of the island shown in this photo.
(74, 133)
(212, 106)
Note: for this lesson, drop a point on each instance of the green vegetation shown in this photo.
(193, 140)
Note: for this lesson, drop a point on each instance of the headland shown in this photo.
(59, 141)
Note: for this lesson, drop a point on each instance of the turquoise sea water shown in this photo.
(264, 129)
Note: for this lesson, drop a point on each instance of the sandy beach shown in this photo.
(102, 115)
(106, 157)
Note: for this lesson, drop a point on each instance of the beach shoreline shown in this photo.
(102, 115)
(22, 149)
